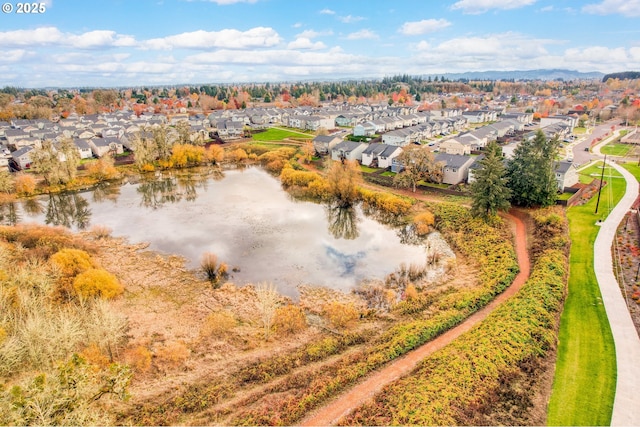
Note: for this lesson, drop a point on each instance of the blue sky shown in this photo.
(149, 42)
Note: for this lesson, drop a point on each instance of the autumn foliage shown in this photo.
(97, 283)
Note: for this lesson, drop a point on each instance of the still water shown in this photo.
(244, 217)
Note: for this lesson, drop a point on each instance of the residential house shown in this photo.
(477, 116)
(455, 168)
(364, 129)
(399, 138)
(102, 146)
(84, 148)
(380, 155)
(323, 144)
(22, 157)
(5, 156)
(455, 146)
(566, 175)
(348, 150)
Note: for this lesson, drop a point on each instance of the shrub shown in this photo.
(215, 154)
(424, 222)
(25, 184)
(214, 270)
(72, 261)
(173, 354)
(97, 283)
(238, 155)
(341, 315)
(218, 323)
(139, 358)
(7, 184)
(103, 169)
(100, 231)
(289, 320)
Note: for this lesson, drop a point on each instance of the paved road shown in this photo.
(626, 407)
(580, 156)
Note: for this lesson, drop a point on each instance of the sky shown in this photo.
(114, 43)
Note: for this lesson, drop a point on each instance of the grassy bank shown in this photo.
(585, 378)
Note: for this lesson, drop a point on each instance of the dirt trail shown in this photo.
(331, 413)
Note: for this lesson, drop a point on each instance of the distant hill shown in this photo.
(622, 76)
(525, 75)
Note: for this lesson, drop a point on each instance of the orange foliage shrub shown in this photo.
(25, 184)
(289, 320)
(103, 169)
(410, 292)
(423, 222)
(341, 315)
(139, 358)
(94, 356)
(97, 283)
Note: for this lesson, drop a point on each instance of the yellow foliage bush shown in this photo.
(147, 167)
(341, 315)
(215, 154)
(423, 222)
(238, 155)
(410, 292)
(289, 320)
(97, 283)
(72, 261)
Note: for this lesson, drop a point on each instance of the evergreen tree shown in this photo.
(531, 172)
(490, 188)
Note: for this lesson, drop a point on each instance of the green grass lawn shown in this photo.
(579, 130)
(565, 196)
(388, 173)
(273, 134)
(634, 168)
(585, 377)
(367, 169)
(616, 149)
(594, 170)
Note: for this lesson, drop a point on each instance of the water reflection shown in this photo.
(69, 210)
(247, 220)
(343, 221)
(9, 214)
(161, 189)
(105, 192)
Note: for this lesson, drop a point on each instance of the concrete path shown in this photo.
(626, 407)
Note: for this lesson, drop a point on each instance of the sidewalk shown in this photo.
(626, 410)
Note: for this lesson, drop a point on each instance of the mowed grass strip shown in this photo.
(616, 149)
(585, 378)
(277, 134)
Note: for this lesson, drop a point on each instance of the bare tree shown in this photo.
(268, 301)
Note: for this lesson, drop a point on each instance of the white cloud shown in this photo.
(423, 27)
(228, 38)
(51, 36)
(350, 19)
(481, 6)
(305, 43)
(312, 34)
(630, 8)
(547, 9)
(327, 12)
(423, 45)
(363, 35)
(297, 25)
(15, 55)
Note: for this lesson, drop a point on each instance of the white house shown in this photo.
(348, 150)
(380, 155)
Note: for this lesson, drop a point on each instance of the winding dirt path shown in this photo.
(331, 413)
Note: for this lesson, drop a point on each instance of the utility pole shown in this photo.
(601, 179)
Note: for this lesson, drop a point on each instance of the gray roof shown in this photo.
(347, 145)
(453, 160)
(563, 166)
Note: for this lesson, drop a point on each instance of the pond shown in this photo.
(244, 217)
